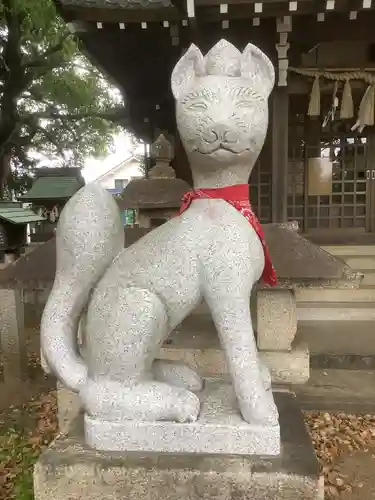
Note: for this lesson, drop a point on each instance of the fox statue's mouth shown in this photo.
(231, 148)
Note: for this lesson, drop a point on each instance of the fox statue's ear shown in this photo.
(257, 66)
(188, 67)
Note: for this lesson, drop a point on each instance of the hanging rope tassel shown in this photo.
(366, 110)
(314, 104)
(347, 107)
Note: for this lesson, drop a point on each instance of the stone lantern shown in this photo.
(162, 152)
(157, 198)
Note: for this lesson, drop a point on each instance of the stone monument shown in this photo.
(133, 298)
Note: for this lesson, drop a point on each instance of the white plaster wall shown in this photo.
(127, 171)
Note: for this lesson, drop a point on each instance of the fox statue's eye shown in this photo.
(198, 106)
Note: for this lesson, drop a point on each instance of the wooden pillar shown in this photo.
(12, 335)
(280, 129)
(313, 130)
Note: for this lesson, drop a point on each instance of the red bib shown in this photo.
(238, 197)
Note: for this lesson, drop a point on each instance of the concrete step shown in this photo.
(363, 294)
(340, 338)
(351, 250)
(336, 311)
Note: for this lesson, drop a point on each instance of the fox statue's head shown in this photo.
(222, 105)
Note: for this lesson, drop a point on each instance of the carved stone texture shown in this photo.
(276, 319)
(133, 298)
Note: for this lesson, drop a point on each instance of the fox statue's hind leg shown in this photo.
(124, 387)
(86, 248)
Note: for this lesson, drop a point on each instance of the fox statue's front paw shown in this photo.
(177, 374)
(188, 407)
(260, 409)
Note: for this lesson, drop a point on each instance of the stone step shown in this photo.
(338, 338)
(368, 279)
(359, 258)
(360, 263)
(336, 311)
(337, 390)
(363, 294)
(350, 250)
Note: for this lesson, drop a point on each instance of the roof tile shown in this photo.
(53, 187)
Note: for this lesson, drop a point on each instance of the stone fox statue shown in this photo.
(131, 299)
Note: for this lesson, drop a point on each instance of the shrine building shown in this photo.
(318, 163)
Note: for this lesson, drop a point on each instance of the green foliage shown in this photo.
(53, 102)
(25, 431)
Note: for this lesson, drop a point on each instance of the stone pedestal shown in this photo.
(68, 406)
(286, 368)
(69, 470)
(276, 319)
(219, 429)
(12, 336)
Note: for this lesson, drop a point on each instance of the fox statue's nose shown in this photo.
(219, 133)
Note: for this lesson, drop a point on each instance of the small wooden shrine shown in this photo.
(52, 188)
(14, 221)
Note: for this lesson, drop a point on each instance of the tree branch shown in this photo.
(42, 59)
(50, 138)
(115, 115)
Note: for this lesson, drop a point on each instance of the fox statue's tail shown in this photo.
(89, 236)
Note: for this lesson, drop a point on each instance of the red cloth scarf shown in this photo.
(238, 197)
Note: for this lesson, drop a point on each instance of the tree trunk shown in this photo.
(4, 172)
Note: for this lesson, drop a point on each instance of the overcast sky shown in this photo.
(95, 168)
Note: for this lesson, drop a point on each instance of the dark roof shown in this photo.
(115, 4)
(153, 193)
(297, 262)
(11, 204)
(58, 172)
(51, 187)
(19, 215)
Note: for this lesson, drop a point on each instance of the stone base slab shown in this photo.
(70, 470)
(286, 368)
(219, 429)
